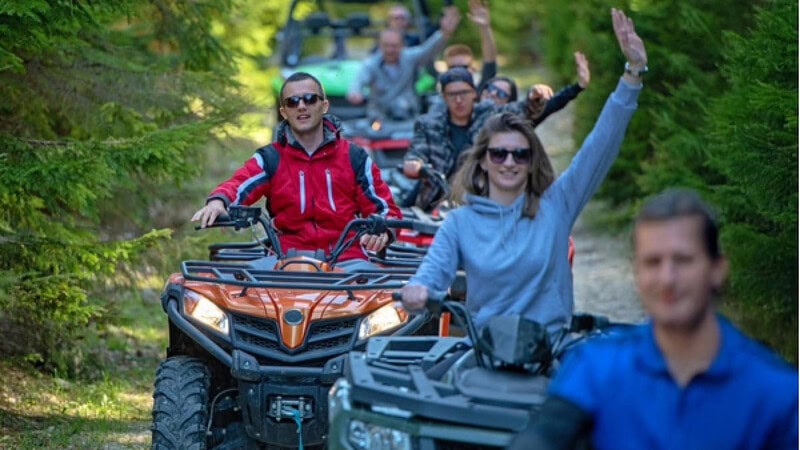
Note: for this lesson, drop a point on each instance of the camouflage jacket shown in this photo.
(431, 143)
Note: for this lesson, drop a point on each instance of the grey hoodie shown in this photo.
(518, 265)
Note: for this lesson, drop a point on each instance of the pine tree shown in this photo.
(100, 99)
(753, 143)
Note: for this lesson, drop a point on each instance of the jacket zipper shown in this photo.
(330, 188)
(302, 192)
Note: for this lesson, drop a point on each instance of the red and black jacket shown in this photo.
(311, 198)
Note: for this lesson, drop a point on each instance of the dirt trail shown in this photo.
(602, 276)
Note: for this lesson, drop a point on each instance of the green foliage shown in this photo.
(660, 145)
(106, 104)
(752, 134)
(718, 113)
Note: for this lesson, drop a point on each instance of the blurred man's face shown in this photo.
(398, 18)
(391, 44)
(675, 275)
(464, 61)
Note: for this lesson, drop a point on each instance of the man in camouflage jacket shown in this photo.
(440, 138)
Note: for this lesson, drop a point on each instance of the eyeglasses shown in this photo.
(499, 155)
(456, 94)
(294, 101)
(497, 92)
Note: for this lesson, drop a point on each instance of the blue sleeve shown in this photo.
(438, 268)
(575, 380)
(784, 433)
(597, 153)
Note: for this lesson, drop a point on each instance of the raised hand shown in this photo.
(582, 68)
(479, 13)
(629, 42)
(450, 19)
(538, 95)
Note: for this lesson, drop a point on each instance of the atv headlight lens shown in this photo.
(380, 320)
(206, 312)
(366, 436)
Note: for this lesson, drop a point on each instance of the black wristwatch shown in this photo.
(635, 72)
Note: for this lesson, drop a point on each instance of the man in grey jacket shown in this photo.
(390, 74)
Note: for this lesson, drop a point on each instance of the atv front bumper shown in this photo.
(353, 426)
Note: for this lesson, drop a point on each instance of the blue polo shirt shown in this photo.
(747, 399)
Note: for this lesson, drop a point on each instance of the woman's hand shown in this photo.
(415, 296)
(629, 42)
(582, 68)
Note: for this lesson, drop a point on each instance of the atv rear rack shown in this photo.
(246, 276)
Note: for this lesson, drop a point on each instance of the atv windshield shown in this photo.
(323, 30)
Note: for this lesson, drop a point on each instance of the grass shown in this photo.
(38, 411)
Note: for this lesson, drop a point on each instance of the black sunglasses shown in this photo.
(499, 93)
(499, 155)
(308, 99)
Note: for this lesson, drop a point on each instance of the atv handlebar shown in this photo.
(374, 224)
(240, 217)
(439, 301)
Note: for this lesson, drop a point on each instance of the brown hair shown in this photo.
(681, 202)
(472, 179)
(457, 50)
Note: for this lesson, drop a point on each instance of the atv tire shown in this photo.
(181, 404)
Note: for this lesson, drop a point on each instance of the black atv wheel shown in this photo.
(181, 404)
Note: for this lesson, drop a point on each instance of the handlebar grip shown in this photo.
(222, 220)
(400, 223)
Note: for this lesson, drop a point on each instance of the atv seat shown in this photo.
(522, 389)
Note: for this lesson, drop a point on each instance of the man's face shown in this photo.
(391, 44)
(675, 275)
(460, 99)
(464, 61)
(303, 118)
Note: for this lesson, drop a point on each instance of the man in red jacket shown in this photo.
(314, 181)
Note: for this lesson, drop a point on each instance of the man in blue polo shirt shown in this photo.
(686, 379)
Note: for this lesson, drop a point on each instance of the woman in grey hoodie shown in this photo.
(511, 234)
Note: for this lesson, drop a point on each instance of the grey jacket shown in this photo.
(395, 97)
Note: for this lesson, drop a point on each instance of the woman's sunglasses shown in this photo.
(308, 99)
(499, 155)
(499, 93)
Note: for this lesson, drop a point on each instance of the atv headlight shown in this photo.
(206, 312)
(380, 320)
(366, 436)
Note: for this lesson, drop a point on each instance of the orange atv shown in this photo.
(258, 336)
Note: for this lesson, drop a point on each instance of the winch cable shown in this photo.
(299, 421)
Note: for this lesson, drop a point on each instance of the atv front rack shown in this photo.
(395, 372)
(246, 275)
